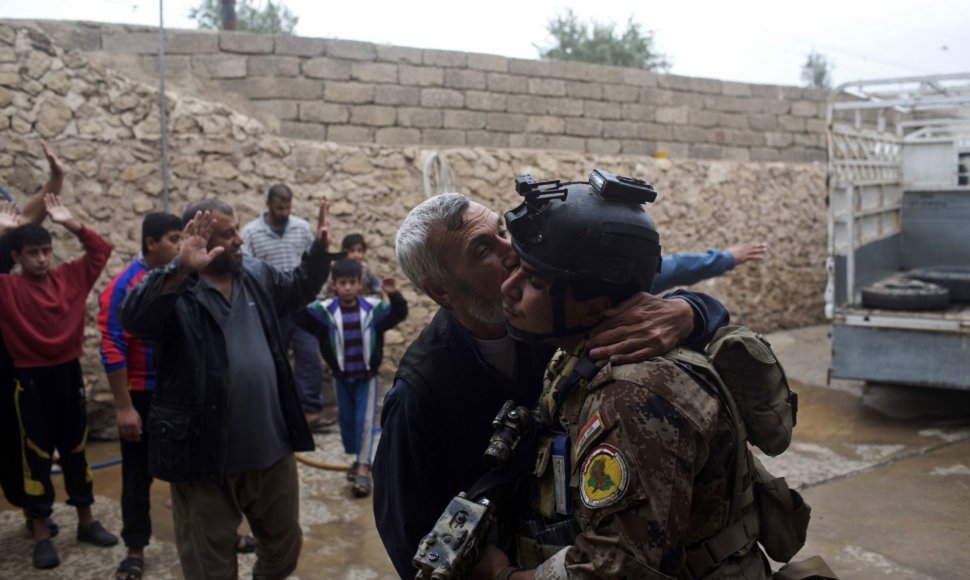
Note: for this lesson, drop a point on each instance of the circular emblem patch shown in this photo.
(605, 477)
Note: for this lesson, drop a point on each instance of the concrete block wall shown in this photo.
(357, 92)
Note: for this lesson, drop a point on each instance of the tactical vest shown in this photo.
(564, 386)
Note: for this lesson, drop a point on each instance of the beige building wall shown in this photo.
(357, 92)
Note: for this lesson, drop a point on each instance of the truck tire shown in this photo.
(956, 279)
(905, 295)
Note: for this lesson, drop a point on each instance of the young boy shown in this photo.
(130, 368)
(351, 328)
(11, 464)
(356, 249)
(43, 327)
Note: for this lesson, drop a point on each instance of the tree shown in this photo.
(817, 71)
(600, 44)
(250, 16)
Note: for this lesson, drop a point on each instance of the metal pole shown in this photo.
(228, 14)
(162, 117)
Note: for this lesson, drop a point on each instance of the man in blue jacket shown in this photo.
(686, 268)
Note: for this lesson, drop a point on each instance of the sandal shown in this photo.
(361, 487)
(352, 472)
(245, 544)
(130, 569)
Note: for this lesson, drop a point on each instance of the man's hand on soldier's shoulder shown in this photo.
(641, 327)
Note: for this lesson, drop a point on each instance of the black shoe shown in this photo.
(52, 527)
(97, 535)
(45, 555)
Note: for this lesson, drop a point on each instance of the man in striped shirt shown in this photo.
(278, 238)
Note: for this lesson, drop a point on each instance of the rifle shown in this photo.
(453, 546)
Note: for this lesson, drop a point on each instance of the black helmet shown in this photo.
(594, 237)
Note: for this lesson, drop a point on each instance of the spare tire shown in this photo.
(905, 294)
(956, 279)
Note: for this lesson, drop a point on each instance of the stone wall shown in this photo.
(105, 127)
(357, 92)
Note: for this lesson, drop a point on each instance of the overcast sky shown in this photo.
(760, 41)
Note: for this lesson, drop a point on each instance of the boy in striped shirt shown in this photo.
(350, 329)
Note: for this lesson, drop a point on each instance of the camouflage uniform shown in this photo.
(651, 472)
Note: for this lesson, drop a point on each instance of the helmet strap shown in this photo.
(559, 329)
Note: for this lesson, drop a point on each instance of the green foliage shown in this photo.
(251, 16)
(817, 71)
(600, 44)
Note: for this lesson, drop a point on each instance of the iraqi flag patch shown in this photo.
(589, 433)
(605, 476)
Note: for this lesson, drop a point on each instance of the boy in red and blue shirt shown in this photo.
(130, 368)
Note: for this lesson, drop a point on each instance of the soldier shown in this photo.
(635, 461)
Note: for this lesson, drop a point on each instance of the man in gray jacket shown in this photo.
(226, 419)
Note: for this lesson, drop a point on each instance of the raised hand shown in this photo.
(749, 252)
(58, 213)
(389, 285)
(194, 253)
(8, 216)
(323, 223)
(57, 170)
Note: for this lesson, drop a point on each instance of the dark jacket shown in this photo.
(188, 424)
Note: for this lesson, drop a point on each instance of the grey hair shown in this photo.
(209, 204)
(415, 245)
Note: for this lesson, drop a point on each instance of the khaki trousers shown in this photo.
(208, 513)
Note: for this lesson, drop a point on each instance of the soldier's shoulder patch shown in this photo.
(605, 476)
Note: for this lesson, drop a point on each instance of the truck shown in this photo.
(899, 208)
